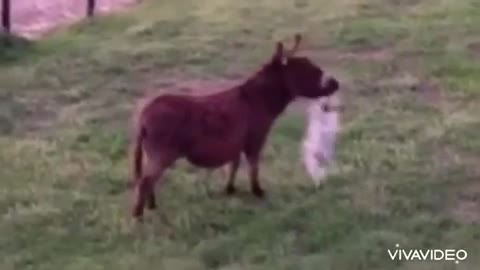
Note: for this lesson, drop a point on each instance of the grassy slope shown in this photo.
(407, 159)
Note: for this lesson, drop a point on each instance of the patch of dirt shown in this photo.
(428, 88)
(39, 119)
(466, 207)
(191, 86)
(42, 115)
(430, 92)
(404, 2)
(373, 7)
(403, 72)
(380, 55)
(33, 18)
(204, 87)
(474, 49)
(333, 56)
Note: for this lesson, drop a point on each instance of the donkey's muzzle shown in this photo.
(330, 85)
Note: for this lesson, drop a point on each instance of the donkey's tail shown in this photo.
(138, 136)
(137, 156)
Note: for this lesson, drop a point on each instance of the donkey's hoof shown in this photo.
(137, 219)
(259, 193)
(230, 190)
(152, 205)
(137, 215)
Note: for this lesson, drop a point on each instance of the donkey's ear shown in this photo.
(279, 51)
(280, 54)
(296, 44)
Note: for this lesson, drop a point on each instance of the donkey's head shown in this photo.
(300, 76)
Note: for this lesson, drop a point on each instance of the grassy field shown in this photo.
(407, 158)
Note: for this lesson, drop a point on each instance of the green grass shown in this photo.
(407, 157)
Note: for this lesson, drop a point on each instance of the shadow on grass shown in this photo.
(14, 48)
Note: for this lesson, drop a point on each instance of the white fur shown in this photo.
(319, 143)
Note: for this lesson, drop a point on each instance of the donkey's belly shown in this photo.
(212, 155)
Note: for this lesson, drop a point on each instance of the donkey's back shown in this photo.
(207, 130)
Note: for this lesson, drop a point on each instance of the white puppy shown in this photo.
(319, 143)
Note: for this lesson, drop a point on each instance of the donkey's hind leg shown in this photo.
(156, 165)
(230, 188)
(145, 191)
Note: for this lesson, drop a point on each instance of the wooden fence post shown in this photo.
(90, 7)
(6, 23)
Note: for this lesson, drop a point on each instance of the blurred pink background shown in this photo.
(32, 18)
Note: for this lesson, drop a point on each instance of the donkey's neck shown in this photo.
(270, 93)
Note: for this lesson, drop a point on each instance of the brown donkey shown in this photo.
(214, 130)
